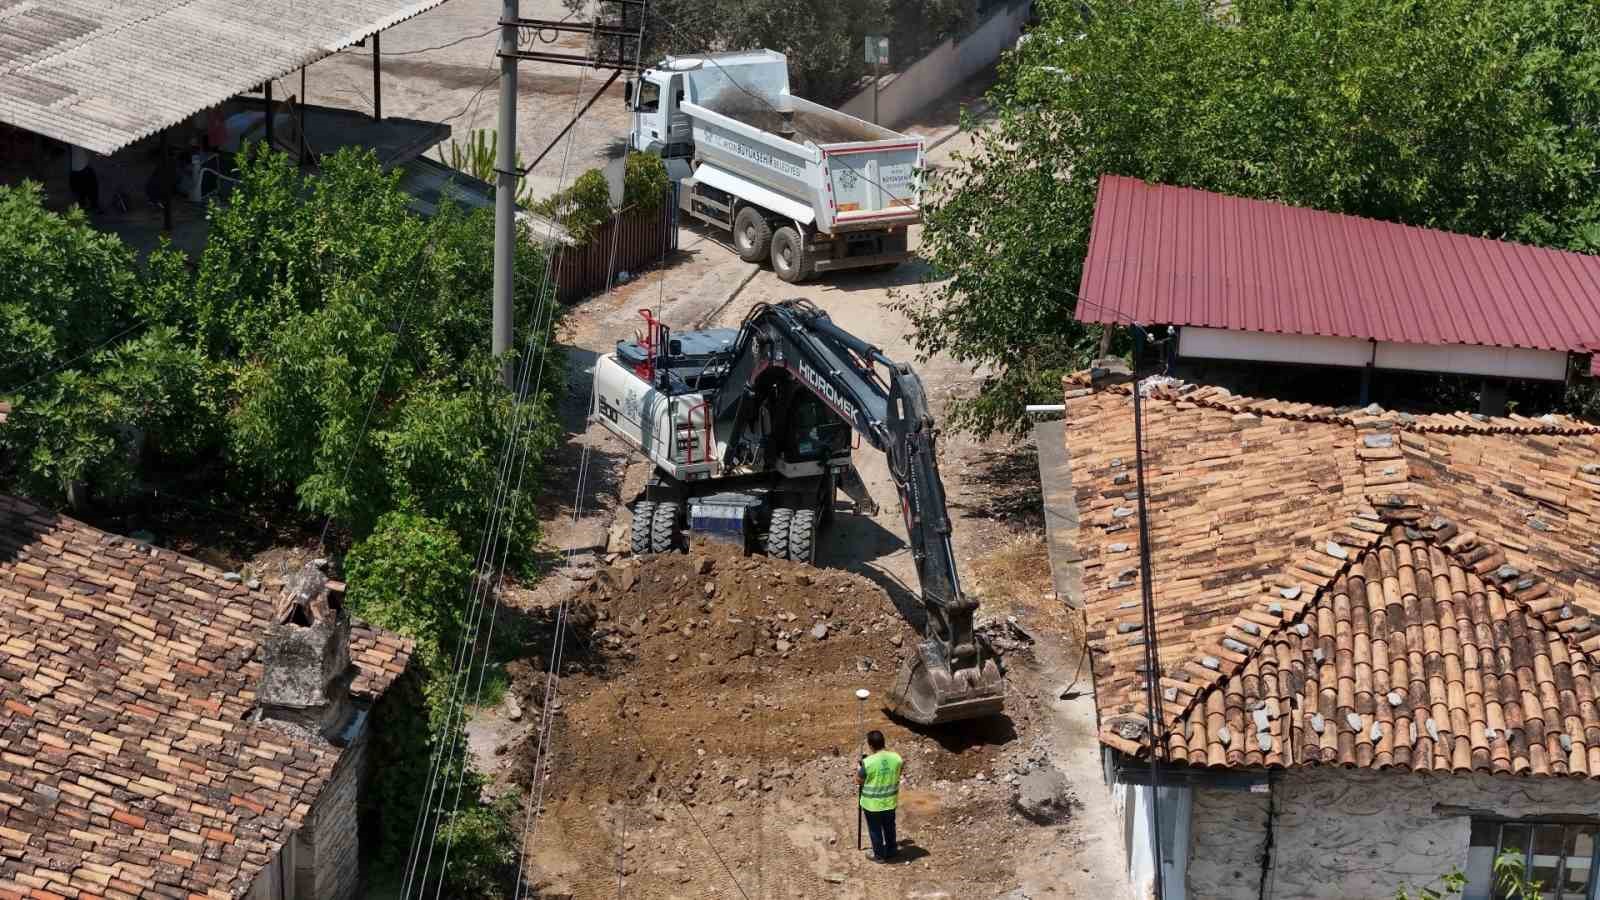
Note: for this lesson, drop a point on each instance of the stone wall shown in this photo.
(1357, 835)
(336, 835)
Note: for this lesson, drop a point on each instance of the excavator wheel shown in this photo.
(644, 513)
(803, 536)
(665, 532)
(778, 530)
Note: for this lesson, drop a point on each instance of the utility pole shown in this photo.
(505, 195)
(610, 46)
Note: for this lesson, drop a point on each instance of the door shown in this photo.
(647, 121)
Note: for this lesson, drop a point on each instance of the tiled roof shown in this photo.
(1349, 587)
(128, 766)
(1166, 255)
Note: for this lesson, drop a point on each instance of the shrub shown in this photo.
(411, 576)
(582, 208)
(645, 182)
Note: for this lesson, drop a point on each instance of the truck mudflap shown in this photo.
(928, 691)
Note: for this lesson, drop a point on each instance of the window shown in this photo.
(649, 97)
(1558, 855)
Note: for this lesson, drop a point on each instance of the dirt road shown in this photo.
(959, 812)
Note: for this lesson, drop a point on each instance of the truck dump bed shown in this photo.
(814, 164)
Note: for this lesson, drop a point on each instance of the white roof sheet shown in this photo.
(105, 74)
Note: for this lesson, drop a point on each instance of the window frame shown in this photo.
(1591, 892)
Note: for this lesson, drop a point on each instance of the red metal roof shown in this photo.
(1164, 255)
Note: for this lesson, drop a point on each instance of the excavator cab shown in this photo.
(815, 433)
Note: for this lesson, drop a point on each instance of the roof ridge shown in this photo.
(1372, 415)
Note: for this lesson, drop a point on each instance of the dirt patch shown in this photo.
(710, 735)
(808, 126)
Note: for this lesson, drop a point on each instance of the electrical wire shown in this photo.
(62, 367)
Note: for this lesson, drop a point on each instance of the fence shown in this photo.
(633, 239)
(902, 95)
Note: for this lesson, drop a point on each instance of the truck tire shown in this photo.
(790, 259)
(644, 513)
(776, 542)
(752, 236)
(665, 533)
(803, 536)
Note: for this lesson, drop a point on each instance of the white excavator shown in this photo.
(750, 432)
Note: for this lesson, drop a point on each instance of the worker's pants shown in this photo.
(880, 826)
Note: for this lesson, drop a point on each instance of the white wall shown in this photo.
(1348, 835)
(902, 95)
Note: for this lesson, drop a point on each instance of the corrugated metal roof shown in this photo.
(1164, 255)
(103, 75)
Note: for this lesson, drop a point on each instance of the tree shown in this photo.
(67, 289)
(823, 39)
(1470, 117)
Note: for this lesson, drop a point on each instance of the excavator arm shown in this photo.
(954, 674)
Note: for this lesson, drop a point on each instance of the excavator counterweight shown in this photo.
(750, 433)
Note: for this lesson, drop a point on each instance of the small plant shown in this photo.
(1510, 879)
(476, 157)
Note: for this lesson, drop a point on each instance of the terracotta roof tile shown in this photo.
(1344, 587)
(128, 766)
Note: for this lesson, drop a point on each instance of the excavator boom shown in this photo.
(721, 419)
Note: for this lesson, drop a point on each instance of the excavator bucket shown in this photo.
(929, 692)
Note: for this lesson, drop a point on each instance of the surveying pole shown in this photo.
(505, 195)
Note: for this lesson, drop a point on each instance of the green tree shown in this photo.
(67, 289)
(412, 576)
(823, 39)
(1471, 117)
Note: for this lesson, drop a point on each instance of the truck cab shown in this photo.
(660, 126)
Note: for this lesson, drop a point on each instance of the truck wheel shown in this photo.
(752, 236)
(665, 532)
(789, 257)
(644, 513)
(803, 536)
(777, 539)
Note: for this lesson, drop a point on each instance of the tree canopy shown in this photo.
(328, 347)
(1471, 117)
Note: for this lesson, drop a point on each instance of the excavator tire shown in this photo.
(644, 513)
(803, 536)
(752, 236)
(790, 258)
(778, 530)
(664, 527)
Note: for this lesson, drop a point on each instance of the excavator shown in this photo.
(750, 432)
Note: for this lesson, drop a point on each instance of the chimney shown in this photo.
(305, 656)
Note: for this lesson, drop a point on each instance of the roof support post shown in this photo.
(377, 75)
(505, 194)
(268, 92)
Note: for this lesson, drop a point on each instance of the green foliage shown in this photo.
(483, 840)
(411, 576)
(476, 157)
(150, 395)
(644, 181)
(67, 287)
(1511, 882)
(823, 39)
(581, 208)
(1471, 117)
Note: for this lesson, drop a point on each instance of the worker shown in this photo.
(879, 780)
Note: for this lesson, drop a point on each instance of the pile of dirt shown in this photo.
(715, 717)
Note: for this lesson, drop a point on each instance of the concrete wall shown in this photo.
(902, 95)
(1357, 835)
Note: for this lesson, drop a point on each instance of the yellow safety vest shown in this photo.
(881, 791)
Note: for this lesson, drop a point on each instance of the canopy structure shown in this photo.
(104, 75)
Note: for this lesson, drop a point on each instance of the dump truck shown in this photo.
(807, 187)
